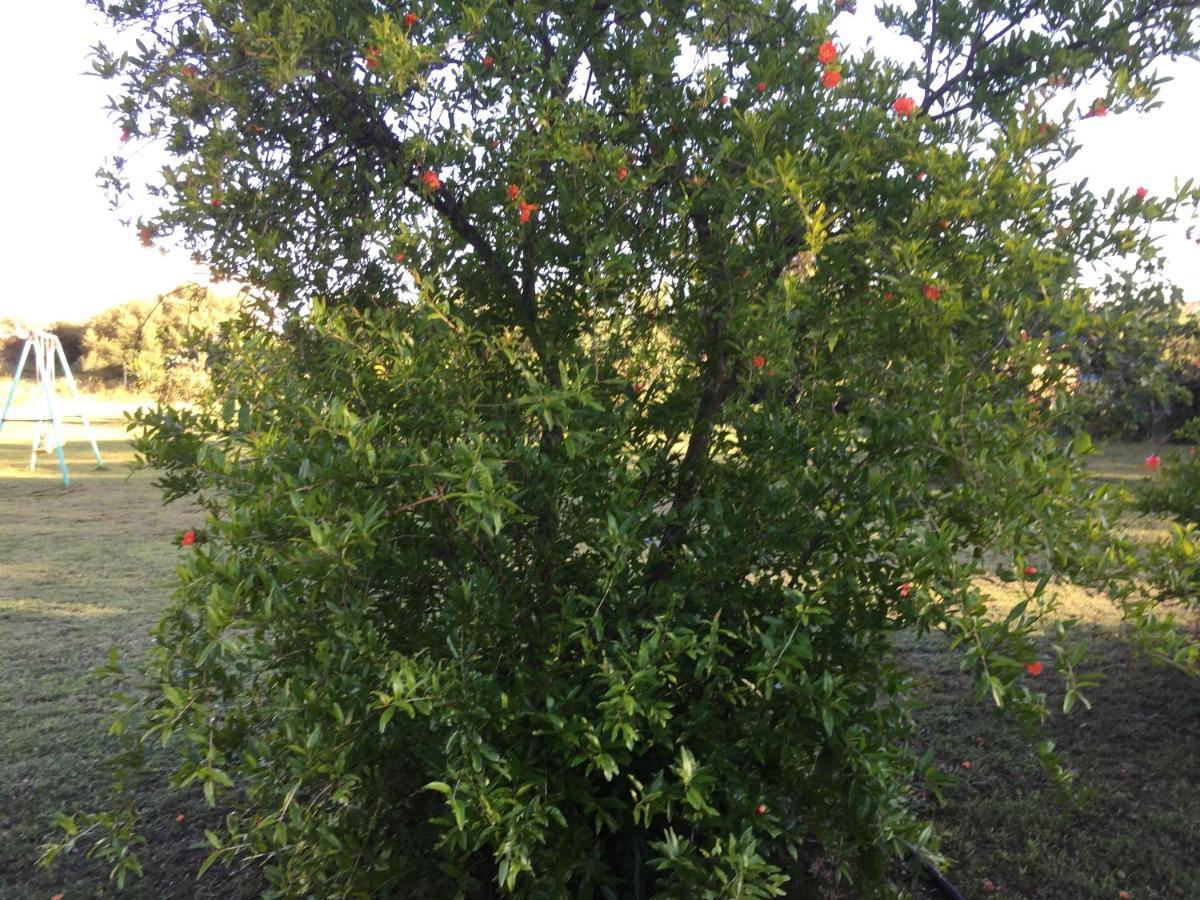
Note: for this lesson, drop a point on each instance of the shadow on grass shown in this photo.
(1136, 755)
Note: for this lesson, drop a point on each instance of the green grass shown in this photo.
(1125, 464)
(82, 569)
(1135, 754)
(90, 566)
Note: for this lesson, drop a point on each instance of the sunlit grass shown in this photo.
(83, 568)
(1125, 463)
(39, 608)
(16, 440)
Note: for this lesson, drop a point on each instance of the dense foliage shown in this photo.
(1172, 489)
(1140, 360)
(652, 366)
(160, 346)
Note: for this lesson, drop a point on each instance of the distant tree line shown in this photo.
(157, 346)
(1139, 367)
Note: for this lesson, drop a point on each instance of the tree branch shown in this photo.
(718, 384)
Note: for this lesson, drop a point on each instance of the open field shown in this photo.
(90, 566)
(82, 569)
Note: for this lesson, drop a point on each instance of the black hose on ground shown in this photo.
(935, 876)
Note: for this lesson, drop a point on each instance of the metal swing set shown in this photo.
(47, 352)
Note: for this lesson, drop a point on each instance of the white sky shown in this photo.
(65, 256)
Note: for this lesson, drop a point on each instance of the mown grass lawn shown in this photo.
(82, 569)
(90, 566)
(1135, 753)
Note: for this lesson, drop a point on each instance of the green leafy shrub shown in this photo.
(649, 369)
(1139, 360)
(1172, 488)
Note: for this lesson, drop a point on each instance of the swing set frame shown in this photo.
(47, 352)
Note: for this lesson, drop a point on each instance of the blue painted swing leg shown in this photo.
(78, 401)
(16, 380)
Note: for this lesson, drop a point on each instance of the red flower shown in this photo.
(495, 144)
(215, 201)
(759, 361)
(761, 809)
(399, 257)
(636, 387)
(1141, 193)
(724, 101)
(179, 819)
(513, 192)
(1034, 669)
(922, 175)
(146, 235)
(126, 134)
(831, 78)
(189, 538)
(372, 54)
(488, 62)
(1153, 461)
(904, 106)
(187, 71)
(887, 295)
(761, 86)
(827, 53)
(1031, 571)
(1099, 108)
(966, 764)
(527, 210)
(622, 173)
(904, 590)
(932, 292)
(431, 179)
(943, 224)
(410, 19)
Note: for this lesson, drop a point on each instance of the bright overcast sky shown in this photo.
(65, 256)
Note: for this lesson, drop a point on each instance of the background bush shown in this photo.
(1140, 361)
(160, 347)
